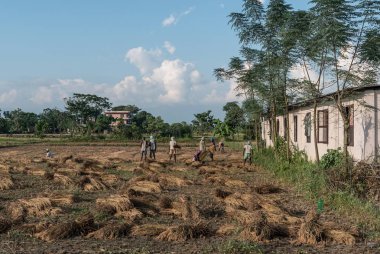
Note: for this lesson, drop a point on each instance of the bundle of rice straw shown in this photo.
(110, 231)
(69, 229)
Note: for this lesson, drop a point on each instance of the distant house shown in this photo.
(124, 116)
(364, 129)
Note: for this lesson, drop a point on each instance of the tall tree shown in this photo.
(86, 108)
(234, 117)
(262, 73)
(203, 122)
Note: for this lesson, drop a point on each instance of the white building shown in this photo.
(364, 138)
(124, 116)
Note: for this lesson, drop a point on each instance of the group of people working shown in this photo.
(151, 145)
(201, 153)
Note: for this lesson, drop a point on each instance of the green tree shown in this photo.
(53, 118)
(222, 129)
(20, 121)
(266, 49)
(181, 130)
(41, 128)
(203, 122)
(133, 109)
(234, 117)
(155, 125)
(86, 108)
(4, 124)
(103, 123)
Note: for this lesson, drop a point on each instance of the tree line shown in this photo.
(84, 116)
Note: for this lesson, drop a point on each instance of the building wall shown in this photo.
(118, 115)
(364, 128)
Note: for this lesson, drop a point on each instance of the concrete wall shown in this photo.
(366, 127)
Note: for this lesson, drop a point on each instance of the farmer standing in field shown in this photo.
(143, 149)
(173, 149)
(152, 147)
(247, 152)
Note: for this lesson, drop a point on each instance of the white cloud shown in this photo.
(144, 60)
(8, 97)
(162, 83)
(169, 47)
(298, 71)
(43, 95)
(218, 95)
(169, 20)
(173, 19)
(173, 76)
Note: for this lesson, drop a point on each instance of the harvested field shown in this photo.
(102, 199)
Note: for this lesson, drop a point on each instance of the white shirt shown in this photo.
(202, 145)
(247, 148)
(143, 146)
(172, 143)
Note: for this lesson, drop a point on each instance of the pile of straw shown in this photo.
(64, 230)
(110, 231)
(184, 232)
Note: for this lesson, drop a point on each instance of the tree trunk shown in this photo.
(274, 123)
(315, 131)
(287, 129)
(257, 134)
(345, 147)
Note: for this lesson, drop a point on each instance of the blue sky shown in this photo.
(157, 54)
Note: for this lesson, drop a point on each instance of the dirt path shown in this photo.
(103, 200)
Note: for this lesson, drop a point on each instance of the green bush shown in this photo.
(332, 159)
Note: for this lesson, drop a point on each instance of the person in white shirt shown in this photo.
(173, 149)
(143, 149)
(247, 152)
(202, 145)
(152, 148)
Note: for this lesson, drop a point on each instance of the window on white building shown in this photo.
(307, 123)
(350, 114)
(295, 128)
(323, 126)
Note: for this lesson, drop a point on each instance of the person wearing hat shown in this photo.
(173, 149)
(152, 148)
(247, 153)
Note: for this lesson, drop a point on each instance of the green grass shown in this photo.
(240, 247)
(311, 181)
(124, 174)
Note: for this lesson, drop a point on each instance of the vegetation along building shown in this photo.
(120, 116)
(362, 110)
